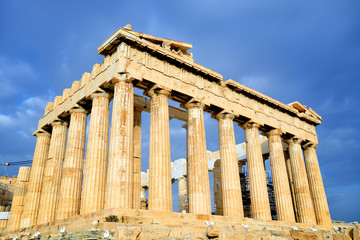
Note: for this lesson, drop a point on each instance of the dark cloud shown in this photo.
(307, 51)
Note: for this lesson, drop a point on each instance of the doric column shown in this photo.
(230, 179)
(183, 205)
(283, 200)
(260, 206)
(93, 189)
(71, 177)
(316, 186)
(52, 173)
(32, 201)
(304, 203)
(217, 188)
(160, 197)
(197, 164)
(121, 151)
(144, 203)
(291, 183)
(137, 159)
(18, 201)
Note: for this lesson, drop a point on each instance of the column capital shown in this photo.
(158, 90)
(224, 115)
(309, 145)
(122, 77)
(99, 94)
(194, 104)
(42, 133)
(58, 122)
(273, 132)
(78, 109)
(294, 140)
(249, 125)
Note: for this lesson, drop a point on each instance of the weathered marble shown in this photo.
(18, 202)
(217, 188)
(230, 179)
(52, 173)
(68, 204)
(316, 186)
(198, 177)
(121, 151)
(183, 201)
(260, 206)
(31, 207)
(283, 199)
(304, 205)
(93, 189)
(160, 194)
(137, 159)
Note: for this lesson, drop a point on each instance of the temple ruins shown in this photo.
(101, 194)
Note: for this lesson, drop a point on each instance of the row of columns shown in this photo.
(56, 178)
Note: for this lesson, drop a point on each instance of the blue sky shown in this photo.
(290, 50)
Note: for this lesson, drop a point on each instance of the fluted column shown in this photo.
(260, 206)
(197, 164)
(283, 200)
(18, 201)
(183, 205)
(230, 179)
(71, 177)
(144, 202)
(93, 189)
(32, 201)
(121, 152)
(160, 197)
(217, 188)
(304, 205)
(137, 159)
(316, 186)
(52, 173)
(291, 183)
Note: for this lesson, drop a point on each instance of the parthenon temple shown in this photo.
(92, 183)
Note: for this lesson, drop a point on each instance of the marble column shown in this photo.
(183, 203)
(137, 159)
(18, 201)
(121, 151)
(160, 197)
(230, 179)
(304, 205)
(71, 178)
(260, 206)
(291, 183)
(144, 202)
(32, 200)
(93, 189)
(52, 173)
(316, 186)
(197, 164)
(217, 188)
(283, 200)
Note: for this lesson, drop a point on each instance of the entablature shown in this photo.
(150, 64)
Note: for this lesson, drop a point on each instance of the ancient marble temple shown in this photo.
(65, 183)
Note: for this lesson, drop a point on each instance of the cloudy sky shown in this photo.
(307, 51)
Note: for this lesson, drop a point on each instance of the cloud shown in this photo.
(6, 120)
(12, 74)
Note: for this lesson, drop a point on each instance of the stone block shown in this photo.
(127, 233)
(148, 233)
(302, 235)
(341, 236)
